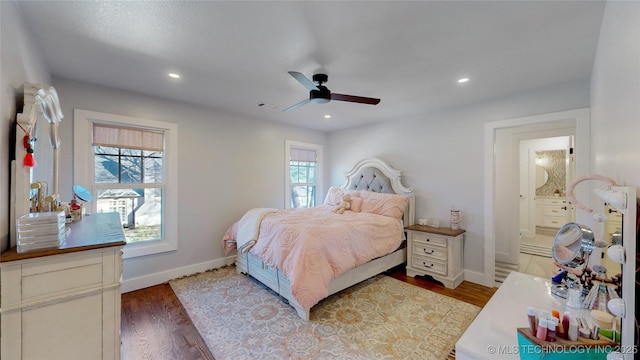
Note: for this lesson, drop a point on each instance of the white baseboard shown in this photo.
(162, 277)
(477, 278)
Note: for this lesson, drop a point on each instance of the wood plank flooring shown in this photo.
(156, 326)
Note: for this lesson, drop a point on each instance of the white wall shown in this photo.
(227, 164)
(615, 101)
(615, 95)
(20, 62)
(441, 155)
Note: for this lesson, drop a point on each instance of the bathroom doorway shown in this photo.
(502, 187)
(547, 166)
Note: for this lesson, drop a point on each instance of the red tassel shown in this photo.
(29, 161)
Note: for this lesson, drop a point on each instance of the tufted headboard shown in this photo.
(376, 175)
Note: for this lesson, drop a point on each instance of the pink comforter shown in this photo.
(313, 246)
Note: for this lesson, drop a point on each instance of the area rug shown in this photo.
(380, 318)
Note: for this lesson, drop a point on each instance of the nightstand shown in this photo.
(436, 252)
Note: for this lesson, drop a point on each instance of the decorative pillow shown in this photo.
(392, 205)
(356, 204)
(334, 196)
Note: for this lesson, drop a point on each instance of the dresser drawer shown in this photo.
(438, 252)
(63, 274)
(430, 265)
(430, 239)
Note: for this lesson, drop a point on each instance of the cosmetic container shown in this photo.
(552, 325)
(542, 329)
(533, 319)
(573, 330)
(566, 318)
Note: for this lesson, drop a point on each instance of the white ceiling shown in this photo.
(234, 55)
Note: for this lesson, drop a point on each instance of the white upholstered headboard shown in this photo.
(373, 174)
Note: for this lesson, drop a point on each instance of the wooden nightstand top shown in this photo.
(434, 230)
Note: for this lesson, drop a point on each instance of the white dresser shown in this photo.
(436, 252)
(64, 303)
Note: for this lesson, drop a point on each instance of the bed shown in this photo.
(305, 255)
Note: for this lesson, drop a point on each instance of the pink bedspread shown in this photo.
(313, 246)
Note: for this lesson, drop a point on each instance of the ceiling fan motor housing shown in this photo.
(320, 96)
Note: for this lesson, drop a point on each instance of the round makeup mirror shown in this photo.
(571, 249)
(572, 245)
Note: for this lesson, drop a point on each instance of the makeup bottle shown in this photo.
(533, 319)
(561, 331)
(552, 325)
(566, 318)
(573, 330)
(542, 329)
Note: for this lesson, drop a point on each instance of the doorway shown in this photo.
(547, 166)
(502, 188)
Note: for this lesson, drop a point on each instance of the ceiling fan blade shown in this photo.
(303, 102)
(303, 80)
(355, 99)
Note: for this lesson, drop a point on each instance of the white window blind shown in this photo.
(122, 137)
(307, 155)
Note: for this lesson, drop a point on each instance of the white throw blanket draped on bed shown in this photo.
(249, 227)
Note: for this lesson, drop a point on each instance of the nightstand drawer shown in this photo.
(437, 252)
(430, 239)
(429, 265)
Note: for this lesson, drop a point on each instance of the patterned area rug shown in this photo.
(380, 318)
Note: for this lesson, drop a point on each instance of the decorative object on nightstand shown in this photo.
(436, 252)
(456, 219)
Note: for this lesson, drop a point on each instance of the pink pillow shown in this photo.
(392, 205)
(356, 204)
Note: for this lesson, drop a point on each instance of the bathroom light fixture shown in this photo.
(174, 75)
(327, 116)
(463, 80)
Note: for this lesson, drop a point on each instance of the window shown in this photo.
(303, 173)
(129, 165)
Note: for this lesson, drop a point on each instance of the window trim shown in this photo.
(83, 172)
(287, 169)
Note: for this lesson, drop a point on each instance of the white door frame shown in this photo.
(583, 151)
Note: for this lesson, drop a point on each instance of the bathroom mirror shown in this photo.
(39, 121)
(542, 176)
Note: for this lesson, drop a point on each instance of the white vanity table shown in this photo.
(64, 303)
(493, 334)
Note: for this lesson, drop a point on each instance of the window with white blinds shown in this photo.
(303, 174)
(129, 165)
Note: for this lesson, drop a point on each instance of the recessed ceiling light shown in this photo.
(327, 116)
(174, 76)
(462, 80)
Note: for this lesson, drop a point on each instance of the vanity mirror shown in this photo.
(620, 255)
(36, 139)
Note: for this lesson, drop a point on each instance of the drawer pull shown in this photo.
(564, 208)
(427, 266)
(428, 252)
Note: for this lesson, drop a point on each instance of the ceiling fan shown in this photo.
(319, 94)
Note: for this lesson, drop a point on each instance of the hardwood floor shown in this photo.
(156, 326)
